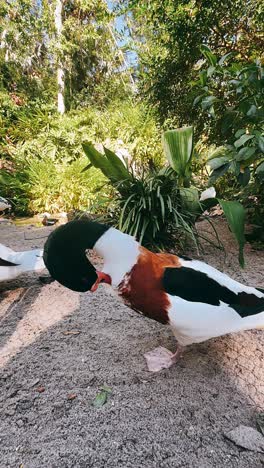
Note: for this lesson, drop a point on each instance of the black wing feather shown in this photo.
(6, 263)
(196, 286)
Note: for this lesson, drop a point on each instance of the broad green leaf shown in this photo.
(190, 199)
(117, 165)
(110, 165)
(178, 146)
(206, 51)
(218, 152)
(242, 140)
(235, 167)
(245, 153)
(218, 173)
(98, 160)
(235, 215)
(217, 162)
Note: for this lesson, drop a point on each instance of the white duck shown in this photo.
(13, 264)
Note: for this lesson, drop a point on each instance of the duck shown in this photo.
(198, 301)
(4, 205)
(14, 264)
(48, 221)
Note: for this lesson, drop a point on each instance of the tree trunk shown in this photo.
(60, 70)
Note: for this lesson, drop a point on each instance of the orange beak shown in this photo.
(102, 278)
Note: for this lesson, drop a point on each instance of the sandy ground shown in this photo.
(59, 347)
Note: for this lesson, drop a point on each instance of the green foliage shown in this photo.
(41, 185)
(47, 165)
(231, 98)
(178, 149)
(146, 204)
(153, 205)
(167, 36)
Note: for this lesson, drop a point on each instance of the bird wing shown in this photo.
(6, 263)
(211, 287)
(6, 253)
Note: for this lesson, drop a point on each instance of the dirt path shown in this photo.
(56, 344)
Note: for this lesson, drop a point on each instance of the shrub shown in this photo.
(154, 204)
(44, 185)
(231, 99)
(48, 161)
(150, 208)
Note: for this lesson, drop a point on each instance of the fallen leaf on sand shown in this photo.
(246, 437)
(71, 396)
(158, 359)
(40, 389)
(72, 332)
(102, 397)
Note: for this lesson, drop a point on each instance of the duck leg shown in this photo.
(161, 358)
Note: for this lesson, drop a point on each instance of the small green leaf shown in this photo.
(260, 171)
(206, 51)
(261, 143)
(235, 215)
(101, 398)
(224, 58)
(218, 152)
(239, 132)
(208, 101)
(242, 140)
(197, 99)
(252, 111)
(203, 77)
(210, 70)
